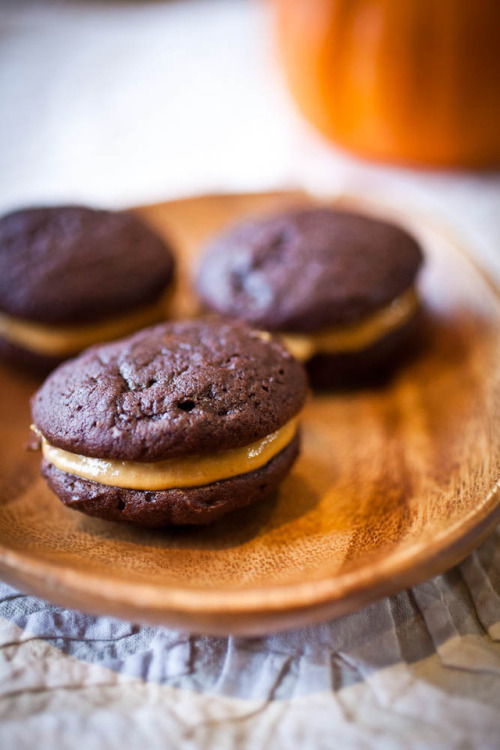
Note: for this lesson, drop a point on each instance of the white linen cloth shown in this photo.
(121, 103)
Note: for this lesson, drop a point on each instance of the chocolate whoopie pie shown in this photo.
(338, 287)
(72, 276)
(177, 424)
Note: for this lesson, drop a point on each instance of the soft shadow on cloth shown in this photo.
(456, 615)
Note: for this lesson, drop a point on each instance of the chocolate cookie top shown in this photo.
(175, 389)
(306, 269)
(72, 264)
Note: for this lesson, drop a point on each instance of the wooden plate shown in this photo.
(394, 484)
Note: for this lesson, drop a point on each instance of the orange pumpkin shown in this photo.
(401, 80)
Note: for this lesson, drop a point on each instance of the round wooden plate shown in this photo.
(394, 484)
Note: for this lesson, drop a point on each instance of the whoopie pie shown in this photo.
(72, 276)
(177, 424)
(338, 287)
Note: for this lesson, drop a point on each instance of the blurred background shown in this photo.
(121, 103)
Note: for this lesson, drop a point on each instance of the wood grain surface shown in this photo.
(395, 483)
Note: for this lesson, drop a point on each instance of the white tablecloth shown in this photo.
(118, 103)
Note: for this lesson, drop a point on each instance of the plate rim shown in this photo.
(271, 598)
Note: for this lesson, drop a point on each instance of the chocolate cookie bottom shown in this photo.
(174, 507)
(370, 366)
(26, 359)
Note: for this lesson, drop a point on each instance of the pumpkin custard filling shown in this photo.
(176, 473)
(355, 336)
(65, 340)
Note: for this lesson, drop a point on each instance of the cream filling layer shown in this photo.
(61, 341)
(190, 471)
(355, 336)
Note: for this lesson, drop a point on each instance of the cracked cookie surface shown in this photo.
(309, 268)
(175, 389)
(72, 264)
